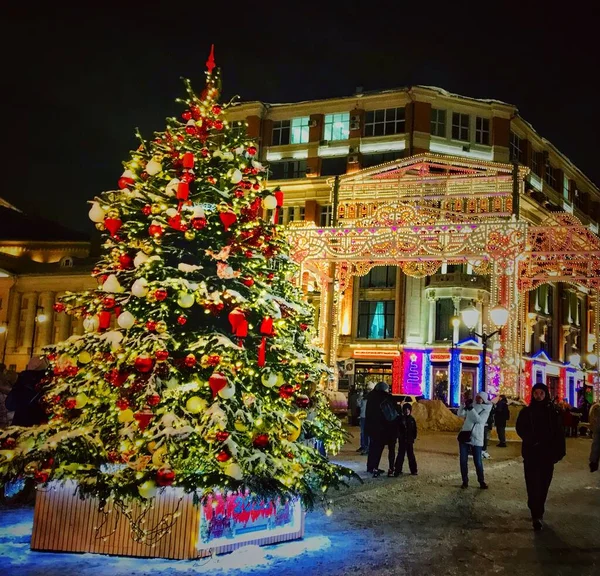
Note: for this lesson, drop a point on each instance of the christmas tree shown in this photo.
(196, 368)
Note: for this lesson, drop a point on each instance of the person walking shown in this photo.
(25, 394)
(539, 426)
(501, 417)
(472, 435)
(379, 417)
(489, 425)
(407, 434)
(364, 438)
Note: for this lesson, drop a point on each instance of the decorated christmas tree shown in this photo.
(196, 368)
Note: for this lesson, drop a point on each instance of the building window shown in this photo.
(515, 147)
(300, 130)
(460, 126)
(302, 213)
(376, 319)
(291, 214)
(438, 122)
(482, 131)
(379, 158)
(326, 217)
(566, 188)
(535, 162)
(280, 214)
(333, 166)
(384, 122)
(550, 176)
(239, 130)
(379, 277)
(281, 132)
(289, 169)
(337, 126)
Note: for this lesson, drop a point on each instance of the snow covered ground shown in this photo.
(423, 525)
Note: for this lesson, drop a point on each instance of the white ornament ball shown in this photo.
(153, 167)
(96, 213)
(197, 211)
(112, 285)
(227, 392)
(236, 176)
(140, 287)
(269, 202)
(234, 471)
(91, 323)
(171, 188)
(128, 174)
(269, 380)
(140, 258)
(126, 320)
(185, 299)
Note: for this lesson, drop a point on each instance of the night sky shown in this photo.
(75, 85)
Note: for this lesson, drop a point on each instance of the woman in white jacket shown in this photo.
(476, 417)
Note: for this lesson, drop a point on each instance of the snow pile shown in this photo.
(435, 415)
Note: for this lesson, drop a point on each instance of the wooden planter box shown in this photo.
(65, 523)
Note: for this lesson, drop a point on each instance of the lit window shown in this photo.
(550, 176)
(299, 130)
(535, 162)
(515, 147)
(337, 126)
(379, 277)
(379, 158)
(460, 126)
(281, 132)
(376, 319)
(334, 166)
(438, 122)
(482, 131)
(384, 122)
(291, 214)
(565, 188)
(326, 217)
(302, 212)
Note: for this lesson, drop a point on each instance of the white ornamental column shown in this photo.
(13, 322)
(432, 310)
(45, 328)
(64, 326)
(31, 298)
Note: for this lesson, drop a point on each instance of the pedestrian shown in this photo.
(489, 425)
(364, 438)
(501, 417)
(407, 434)
(25, 395)
(595, 451)
(472, 435)
(539, 426)
(353, 409)
(379, 417)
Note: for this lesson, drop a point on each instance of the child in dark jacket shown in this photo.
(407, 434)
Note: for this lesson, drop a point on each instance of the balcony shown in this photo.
(458, 280)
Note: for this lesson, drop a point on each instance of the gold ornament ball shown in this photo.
(100, 226)
(112, 213)
(293, 426)
(211, 436)
(161, 327)
(155, 209)
(158, 241)
(147, 249)
(30, 468)
(84, 357)
(190, 234)
(150, 297)
(125, 416)
(115, 253)
(240, 426)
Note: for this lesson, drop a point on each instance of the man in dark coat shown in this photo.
(539, 426)
(380, 431)
(25, 395)
(501, 417)
(407, 434)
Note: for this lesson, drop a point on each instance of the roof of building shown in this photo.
(22, 265)
(18, 226)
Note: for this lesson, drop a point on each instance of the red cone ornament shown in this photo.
(217, 382)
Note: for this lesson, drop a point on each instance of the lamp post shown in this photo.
(470, 316)
(39, 319)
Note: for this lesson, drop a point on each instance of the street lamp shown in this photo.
(39, 319)
(470, 316)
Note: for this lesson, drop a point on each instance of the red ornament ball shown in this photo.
(160, 294)
(190, 360)
(125, 261)
(223, 456)
(195, 112)
(124, 182)
(222, 435)
(165, 477)
(59, 307)
(248, 281)
(302, 401)
(252, 150)
(122, 403)
(70, 403)
(113, 456)
(186, 115)
(191, 130)
(155, 230)
(41, 477)
(303, 327)
(211, 180)
(238, 193)
(143, 364)
(198, 223)
(261, 441)
(204, 152)
(270, 276)
(9, 443)
(218, 125)
(286, 391)
(216, 110)
(147, 210)
(108, 302)
(161, 355)
(181, 320)
(153, 399)
(151, 325)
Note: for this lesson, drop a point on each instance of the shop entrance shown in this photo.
(366, 373)
(440, 382)
(553, 386)
(468, 382)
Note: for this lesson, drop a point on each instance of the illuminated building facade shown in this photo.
(405, 207)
